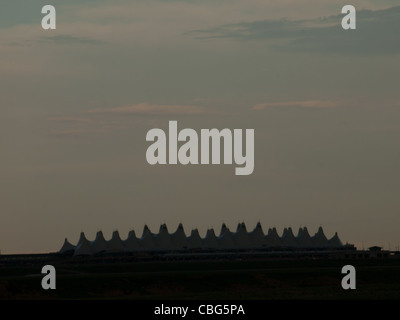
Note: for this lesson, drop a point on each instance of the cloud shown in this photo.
(75, 126)
(153, 109)
(101, 121)
(69, 39)
(69, 120)
(377, 33)
(299, 104)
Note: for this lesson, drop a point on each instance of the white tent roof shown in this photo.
(304, 238)
(115, 244)
(194, 240)
(226, 239)
(210, 241)
(83, 249)
(146, 231)
(179, 238)
(335, 242)
(241, 237)
(99, 244)
(147, 240)
(224, 229)
(319, 240)
(288, 239)
(131, 243)
(66, 247)
(272, 239)
(179, 241)
(257, 236)
(163, 239)
(82, 238)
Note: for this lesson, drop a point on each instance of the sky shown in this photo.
(76, 104)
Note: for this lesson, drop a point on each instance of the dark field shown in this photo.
(236, 280)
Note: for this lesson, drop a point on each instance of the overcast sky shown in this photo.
(76, 104)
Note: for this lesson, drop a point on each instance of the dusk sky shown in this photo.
(76, 104)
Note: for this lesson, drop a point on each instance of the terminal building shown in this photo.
(240, 240)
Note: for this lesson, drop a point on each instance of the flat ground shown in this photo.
(238, 280)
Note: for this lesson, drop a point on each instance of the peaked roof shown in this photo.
(241, 237)
(163, 239)
(288, 239)
(335, 242)
(304, 238)
(272, 239)
(224, 229)
(299, 232)
(99, 244)
(257, 236)
(83, 249)
(146, 231)
(226, 239)
(210, 241)
(115, 244)
(319, 239)
(194, 240)
(66, 247)
(179, 238)
(132, 242)
(82, 238)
